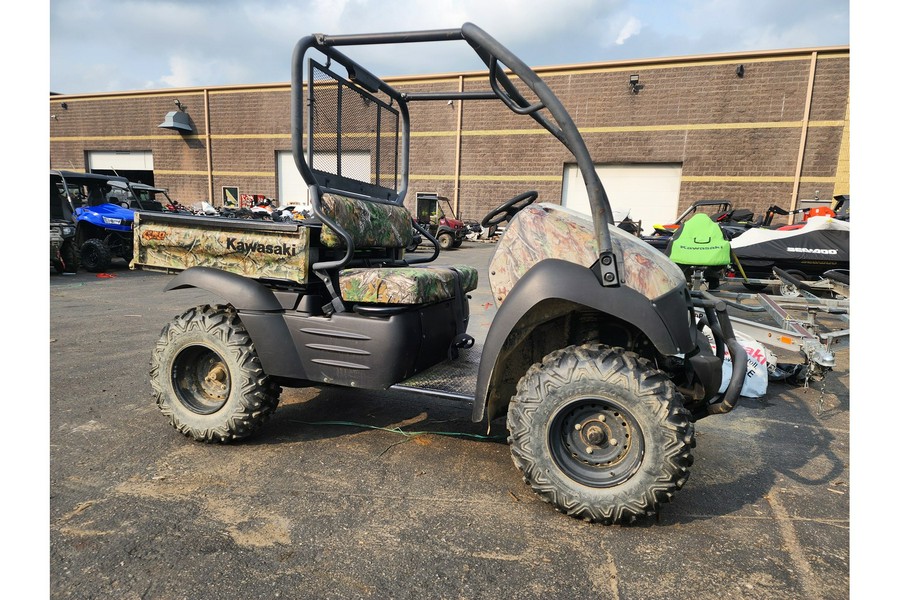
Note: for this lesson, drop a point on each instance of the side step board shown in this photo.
(453, 379)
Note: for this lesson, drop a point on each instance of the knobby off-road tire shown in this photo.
(207, 378)
(95, 255)
(599, 434)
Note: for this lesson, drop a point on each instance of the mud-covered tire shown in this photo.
(445, 240)
(95, 255)
(207, 379)
(599, 434)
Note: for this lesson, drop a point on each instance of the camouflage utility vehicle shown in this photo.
(594, 355)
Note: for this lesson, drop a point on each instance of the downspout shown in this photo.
(458, 166)
(209, 174)
(803, 133)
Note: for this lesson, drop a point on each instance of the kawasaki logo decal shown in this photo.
(150, 234)
(814, 250)
(247, 247)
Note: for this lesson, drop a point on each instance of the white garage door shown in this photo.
(122, 160)
(292, 189)
(645, 193)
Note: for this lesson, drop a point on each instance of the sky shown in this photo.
(121, 45)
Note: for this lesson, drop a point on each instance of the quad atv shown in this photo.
(732, 221)
(63, 254)
(594, 356)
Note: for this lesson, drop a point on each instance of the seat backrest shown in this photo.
(369, 224)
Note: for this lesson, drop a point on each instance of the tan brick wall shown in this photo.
(736, 137)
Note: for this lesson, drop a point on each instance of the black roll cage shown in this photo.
(495, 56)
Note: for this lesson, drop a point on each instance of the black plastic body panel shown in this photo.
(371, 351)
(664, 321)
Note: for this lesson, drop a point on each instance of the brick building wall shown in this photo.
(736, 137)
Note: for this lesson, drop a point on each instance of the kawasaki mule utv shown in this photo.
(595, 354)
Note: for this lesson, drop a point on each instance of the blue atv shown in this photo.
(104, 217)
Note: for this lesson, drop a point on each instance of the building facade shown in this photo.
(755, 129)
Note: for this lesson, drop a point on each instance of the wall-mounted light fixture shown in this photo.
(178, 120)
(634, 82)
(739, 71)
(64, 106)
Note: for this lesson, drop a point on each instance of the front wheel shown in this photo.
(207, 378)
(95, 255)
(599, 434)
(445, 240)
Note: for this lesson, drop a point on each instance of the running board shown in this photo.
(452, 379)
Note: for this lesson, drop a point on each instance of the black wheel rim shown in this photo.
(90, 256)
(596, 442)
(201, 379)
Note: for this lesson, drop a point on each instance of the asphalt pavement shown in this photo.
(327, 501)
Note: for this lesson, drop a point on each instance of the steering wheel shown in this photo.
(508, 209)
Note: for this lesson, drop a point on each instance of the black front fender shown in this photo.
(663, 320)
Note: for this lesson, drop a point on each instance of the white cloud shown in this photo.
(632, 27)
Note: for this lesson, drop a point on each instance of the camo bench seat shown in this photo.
(380, 225)
(405, 285)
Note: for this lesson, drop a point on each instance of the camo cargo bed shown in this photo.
(257, 249)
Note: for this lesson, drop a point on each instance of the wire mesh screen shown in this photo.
(353, 134)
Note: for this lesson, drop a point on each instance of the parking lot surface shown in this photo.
(326, 501)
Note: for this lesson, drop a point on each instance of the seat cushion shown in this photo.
(405, 285)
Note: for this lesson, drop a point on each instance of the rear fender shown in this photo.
(577, 287)
(261, 313)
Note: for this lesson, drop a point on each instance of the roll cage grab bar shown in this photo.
(493, 54)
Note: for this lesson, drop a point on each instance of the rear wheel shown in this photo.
(599, 434)
(207, 378)
(95, 255)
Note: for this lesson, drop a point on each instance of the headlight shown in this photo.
(112, 221)
(67, 231)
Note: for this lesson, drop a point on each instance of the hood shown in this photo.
(109, 210)
(110, 216)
